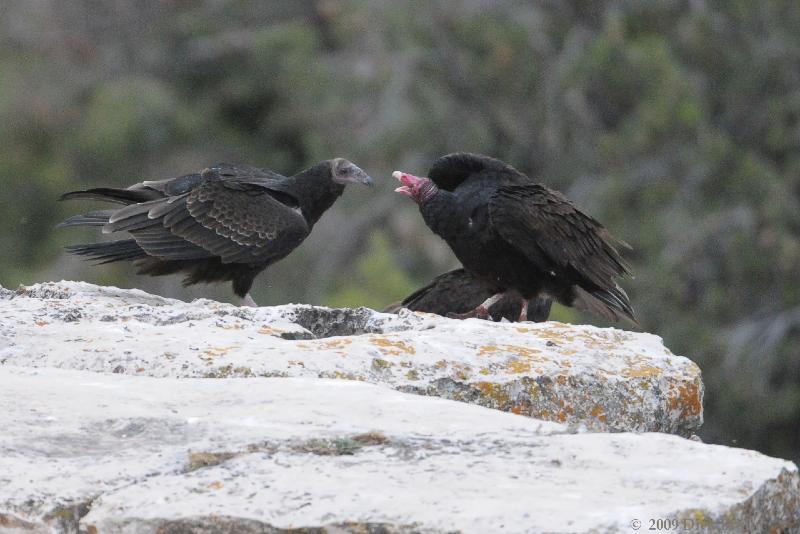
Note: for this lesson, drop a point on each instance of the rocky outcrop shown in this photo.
(602, 379)
(126, 412)
(113, 453)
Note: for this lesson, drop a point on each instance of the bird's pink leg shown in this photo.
(481, 311)
(523, 315)
(248, 301)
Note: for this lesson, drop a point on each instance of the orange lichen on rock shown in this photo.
(642, 371)
(494, 392)
(267, 330)
(389, 346)
(565, 411)
(517, 367)
(603, 340)
(687, 400)
(528, 352)
(343, 376)
(461, 370)
(336, 343)
(556, 335)
(214, 352)
(597, 412)
(485, 350)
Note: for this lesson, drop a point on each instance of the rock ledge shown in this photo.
(125, 412)
(113, 453)
(602, 379)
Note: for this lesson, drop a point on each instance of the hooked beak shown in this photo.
(352, 175)
(409, 182)
(361, 177)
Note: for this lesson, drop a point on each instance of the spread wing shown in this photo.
(229, 211)
(552, 233)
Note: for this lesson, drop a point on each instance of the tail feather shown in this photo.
(132, 217)
(108, 252)
(93, 218)
(612, 304)
(110, 194)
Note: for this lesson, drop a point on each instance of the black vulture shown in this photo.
(458, 292)
(519, 237)
(224, 223)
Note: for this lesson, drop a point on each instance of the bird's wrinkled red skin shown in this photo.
(415, 187)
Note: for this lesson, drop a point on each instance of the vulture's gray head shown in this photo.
(346, 172)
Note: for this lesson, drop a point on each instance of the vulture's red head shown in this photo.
(419, 189)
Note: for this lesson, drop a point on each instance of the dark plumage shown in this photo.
(517, 236)
(458, 292)
(225, 223)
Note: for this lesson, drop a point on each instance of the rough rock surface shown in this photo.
(114, 453)
(126, 412)
(600, 379)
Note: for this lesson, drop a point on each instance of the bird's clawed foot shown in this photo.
(481, 312)
(248, 301)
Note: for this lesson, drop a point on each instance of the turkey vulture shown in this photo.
(519, 237)
(224, 223)
(458, 292)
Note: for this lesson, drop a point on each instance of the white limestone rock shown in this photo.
(105, 453)
(601, 379)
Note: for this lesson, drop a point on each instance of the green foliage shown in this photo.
(375, 280)
(127, 118)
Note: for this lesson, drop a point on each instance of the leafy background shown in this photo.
(676, 123)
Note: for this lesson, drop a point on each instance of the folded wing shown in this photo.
(557, 237)
(230, 212)
(457, 291)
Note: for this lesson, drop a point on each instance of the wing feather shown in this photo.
(240, 220)
(227, 211)
(551, 231)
